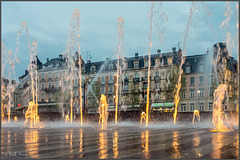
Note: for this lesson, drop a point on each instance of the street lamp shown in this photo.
(47, 104)
(114, 101)
(198, 98)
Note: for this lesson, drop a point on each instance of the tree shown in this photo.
(93, 93)
(172, 81)
(132, 98)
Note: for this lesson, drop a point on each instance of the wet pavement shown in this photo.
(132, 142)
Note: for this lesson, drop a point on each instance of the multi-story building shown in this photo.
(8, 97)
(198, 83)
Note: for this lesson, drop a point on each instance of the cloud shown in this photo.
(48, 24)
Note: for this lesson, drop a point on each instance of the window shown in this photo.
(136, 75)
(92, 69)
(110, 67)
(57, 74)
(201, 80)
(146, 74)
(183, 94)
(103, 80)
(146, 63)
(192, 81)
(110, 100)
(126, 76)
(183, 107)
(42, 96)
(201, 68)
(125, 87)
(201, 106)
(192, 93)
(102, 89)
(157, 74)
(49, 75)
(157, 85)
(57, 84)
(201, 94)
(212, 79)
(145, 85)
(50, 85)
(136, 64)
(210, 106)
(83, 70)
(76, 82)
(75, 92)
(169, 61)
(157, 62)
(42, 85)
(191, 106)
(65, 83)
(188, 69)
(225, 107)
(42, 76)
(111, 79)
(111, 89)
(50, 97)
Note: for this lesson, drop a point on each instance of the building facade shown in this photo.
(199, 80)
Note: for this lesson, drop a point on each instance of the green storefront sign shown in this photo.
(162, 104)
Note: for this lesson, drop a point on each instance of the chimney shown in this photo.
(47, 59)
(159, 51)
(174, 49)
(26, 72)
(136, 55)
(60, 56)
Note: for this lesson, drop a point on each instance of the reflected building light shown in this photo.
(115, 144)
(81, 143)
(31, 142)
(217, 145)
(176, 154)
(196, 143)
(145, 143)
(103, 146)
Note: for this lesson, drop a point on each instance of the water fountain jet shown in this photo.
(103, 107)
(196, 114)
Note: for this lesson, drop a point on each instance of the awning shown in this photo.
(168, 104)
(111, 108)
(20, 107)
(164, 107)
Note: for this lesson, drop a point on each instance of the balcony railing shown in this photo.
(52, 89)
(135, 80)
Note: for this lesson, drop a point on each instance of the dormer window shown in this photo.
(111, 79)
(110, 67)
(103, 67)
(136, 64)
(83, 70)
(201, 68)
(169, 61)
(124, 65)
(146, 63)
(157, 63)
(188, 69)
(93, 69)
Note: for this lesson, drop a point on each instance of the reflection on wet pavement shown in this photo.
(119, 142)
